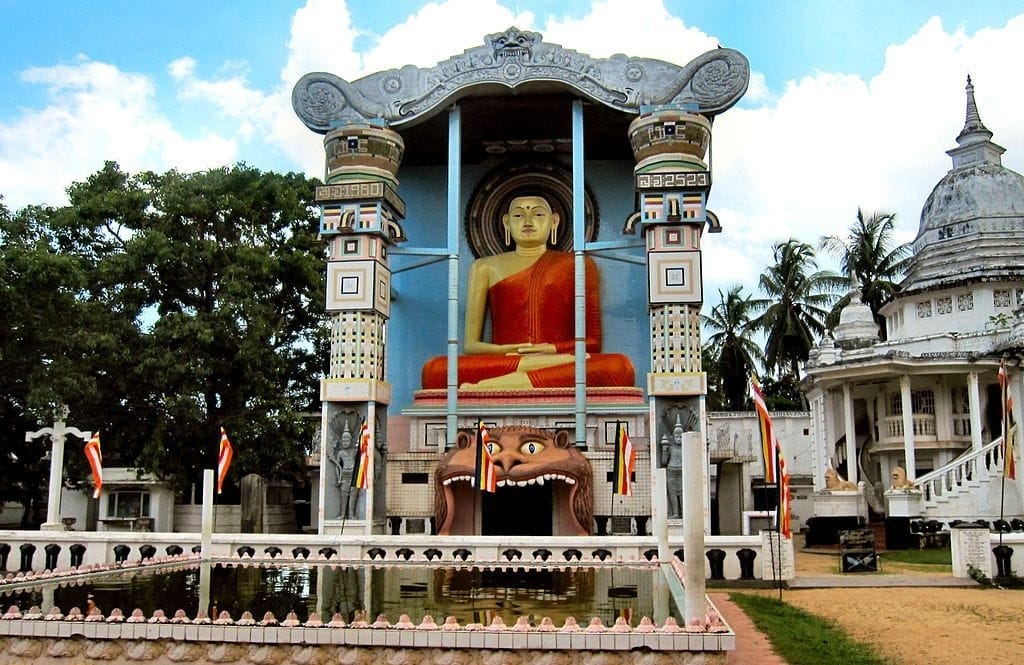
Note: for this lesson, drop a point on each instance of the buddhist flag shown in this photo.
(361, 477)
(1009, 464)
(774, 461)
(625, 462)
(764, 425)
(223, 459)
(95, 457)
(485, 476)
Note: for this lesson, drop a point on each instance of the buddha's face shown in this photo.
(529, 221)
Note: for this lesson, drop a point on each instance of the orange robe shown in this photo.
(536, 305)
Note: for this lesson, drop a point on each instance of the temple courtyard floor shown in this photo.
(910, 614)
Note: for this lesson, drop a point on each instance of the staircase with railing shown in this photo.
(956, 488)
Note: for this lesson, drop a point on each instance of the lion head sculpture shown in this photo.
(524, 458)
(900, 480)
(833, 481)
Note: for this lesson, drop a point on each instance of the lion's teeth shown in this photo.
(570, 481)
(540, 480)
(501, 483)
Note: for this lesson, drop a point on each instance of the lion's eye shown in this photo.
(492, 448)
(531, 447)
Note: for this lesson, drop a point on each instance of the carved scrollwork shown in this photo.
(711, 83)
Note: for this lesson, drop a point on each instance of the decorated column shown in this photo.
(360, 219)
(672, 181)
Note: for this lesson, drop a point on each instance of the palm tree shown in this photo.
(868, 259)
(731, 346)
(794, 312)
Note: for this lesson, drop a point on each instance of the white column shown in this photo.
(371, 470)
(908, 428)
(693, 527)
(57, 434)
(819, 452)
(851, 434)
(974, 404)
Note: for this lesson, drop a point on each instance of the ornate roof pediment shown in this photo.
(709, 84)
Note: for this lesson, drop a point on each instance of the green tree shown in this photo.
(200, 306)
(793, 314)
(870, 259)
(40, 287)
(731, 345)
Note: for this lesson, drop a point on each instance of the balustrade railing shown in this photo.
(923, 424)
(971, 465)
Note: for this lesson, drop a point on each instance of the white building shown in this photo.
(958, 312)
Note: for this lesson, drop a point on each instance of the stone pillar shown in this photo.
(908, 427)
(672, 181)
(974, 403)
(360, 219)
(851, 434)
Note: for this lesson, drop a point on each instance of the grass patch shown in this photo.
(932, 556)
(804, 639)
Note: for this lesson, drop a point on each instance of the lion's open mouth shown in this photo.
(511, 482)
(544, 486)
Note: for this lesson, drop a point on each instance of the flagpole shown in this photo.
(778, 517)
(615, 473)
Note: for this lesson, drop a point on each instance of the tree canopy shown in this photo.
(870, 259)
(793, 315)
(732, 346)
(160, 307)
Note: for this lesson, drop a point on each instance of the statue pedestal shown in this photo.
(835, 511)
(533, 397)
(903, 503)
(840, 503)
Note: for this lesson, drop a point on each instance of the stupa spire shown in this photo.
(974, 142)
(974, 128)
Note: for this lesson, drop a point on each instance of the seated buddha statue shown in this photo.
(529, 293)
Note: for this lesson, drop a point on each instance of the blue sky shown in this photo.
(858, 101)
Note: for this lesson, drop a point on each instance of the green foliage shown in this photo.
(868, 259)
(793, 314)
(731, 346)
(804, 639)
(159, 308)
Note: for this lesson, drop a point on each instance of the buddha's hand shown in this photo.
(525, 349)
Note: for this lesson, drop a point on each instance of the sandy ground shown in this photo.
(919, 625)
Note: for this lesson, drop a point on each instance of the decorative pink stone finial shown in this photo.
(428, 623)
(670, 626)
(596, 626)
(451, 623)
(570, 625)
(314, 621)
(546, 625)
(646, 625)
(522, 625)
(268, 619)
(621, 626)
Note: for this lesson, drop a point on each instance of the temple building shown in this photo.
(914, 421)
(515, 246)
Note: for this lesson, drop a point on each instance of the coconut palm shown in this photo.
(794, 312)
(869, 260)
(731, 345)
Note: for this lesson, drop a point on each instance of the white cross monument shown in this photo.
(57, 434)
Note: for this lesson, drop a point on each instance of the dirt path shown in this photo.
(920, 625)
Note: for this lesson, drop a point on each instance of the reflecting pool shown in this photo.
(472, 595)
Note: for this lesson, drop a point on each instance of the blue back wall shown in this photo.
(417, 329)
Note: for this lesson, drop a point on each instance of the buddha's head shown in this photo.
(530, 222)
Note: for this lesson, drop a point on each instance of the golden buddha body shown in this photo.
(529, 293)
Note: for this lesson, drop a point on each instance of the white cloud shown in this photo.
(94, 112)
(801, 165)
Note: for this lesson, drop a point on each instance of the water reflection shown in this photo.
(472, 595)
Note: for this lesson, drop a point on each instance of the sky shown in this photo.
(851, 104)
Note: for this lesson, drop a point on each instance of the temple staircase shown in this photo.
(963, 488)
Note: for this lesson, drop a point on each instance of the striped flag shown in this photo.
(625, 462)
(485, 476)
(95, 457)
(1009, 464)
(764, 424)
(224, 456)
(774, 461)
(361, 477)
